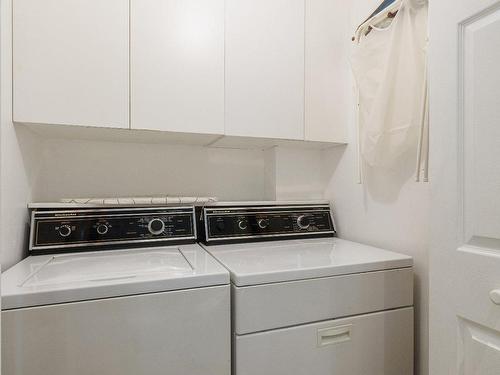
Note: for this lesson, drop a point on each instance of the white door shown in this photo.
(70, 62)
(265, 68)
(177, 65)
(465, 151)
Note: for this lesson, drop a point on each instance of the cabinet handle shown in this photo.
(495, 296)
(334, 335)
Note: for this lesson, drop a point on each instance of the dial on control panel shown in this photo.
(64, 230)
(156, 226)
(304, 221)
(102, 229)
(242, 224)
(263, 223)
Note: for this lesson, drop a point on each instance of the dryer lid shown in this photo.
(50, 279)
(105, 266)
(281, 261)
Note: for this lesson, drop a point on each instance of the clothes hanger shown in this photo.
(387, 9)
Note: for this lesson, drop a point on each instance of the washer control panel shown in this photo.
(66, 229)
(247, 223)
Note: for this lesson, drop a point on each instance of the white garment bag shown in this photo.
(389, 66)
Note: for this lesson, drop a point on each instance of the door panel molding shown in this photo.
(478, 348)
(477, 214)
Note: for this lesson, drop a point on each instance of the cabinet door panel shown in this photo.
(265, 68)
(70, 62)
(177, 65)
(327, 78)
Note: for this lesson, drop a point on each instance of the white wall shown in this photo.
(18, 162)
(77, 168)
(294, 174)
(389, 210)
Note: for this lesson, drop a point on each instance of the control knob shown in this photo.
(156, 226)
(303, 222)
(263, 223)
(102, 229)
(220, 225)
(64, 230)
(242, 224)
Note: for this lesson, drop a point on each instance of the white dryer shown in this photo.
(115, 308)
(305, 302)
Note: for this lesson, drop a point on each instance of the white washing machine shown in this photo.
(161, 308)
(305, 302)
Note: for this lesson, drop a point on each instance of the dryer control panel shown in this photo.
(56, 230)
(252, 223)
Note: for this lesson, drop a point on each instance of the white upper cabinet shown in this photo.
(70, 62)
(252, 70)
(327, 73)
(177, 65)
(265, 68)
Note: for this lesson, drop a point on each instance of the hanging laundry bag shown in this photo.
(389, 66)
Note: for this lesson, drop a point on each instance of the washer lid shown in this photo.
(270, 262)
(50, 279)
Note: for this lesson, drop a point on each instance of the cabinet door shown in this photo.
(70, 62)
(177, 65)
(265, 68)
(327, 78)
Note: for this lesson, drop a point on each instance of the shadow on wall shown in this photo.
(30, 152)
(62, 168)
(384, 185)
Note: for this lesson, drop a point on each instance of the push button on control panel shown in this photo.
(220, 225)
